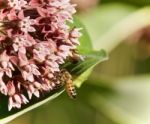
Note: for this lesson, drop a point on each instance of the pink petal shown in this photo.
(17, 98)
(10, 103)
(37, 94)
(24, 99)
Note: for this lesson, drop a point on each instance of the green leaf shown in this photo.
(6, 116)
(85, 40)
(82, 69)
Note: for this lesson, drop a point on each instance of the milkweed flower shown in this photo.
(35, 41)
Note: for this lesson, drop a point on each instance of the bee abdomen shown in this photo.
(70, 88)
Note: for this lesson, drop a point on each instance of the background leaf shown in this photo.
(133, 2)
(101, 19)
(111, 32)
(126, 100)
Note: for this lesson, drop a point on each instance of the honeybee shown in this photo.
(66, 79)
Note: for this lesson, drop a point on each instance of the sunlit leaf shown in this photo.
(82, 69)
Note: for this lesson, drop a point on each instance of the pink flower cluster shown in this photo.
(34, 41)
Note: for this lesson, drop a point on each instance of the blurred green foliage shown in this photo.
(133, 2)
